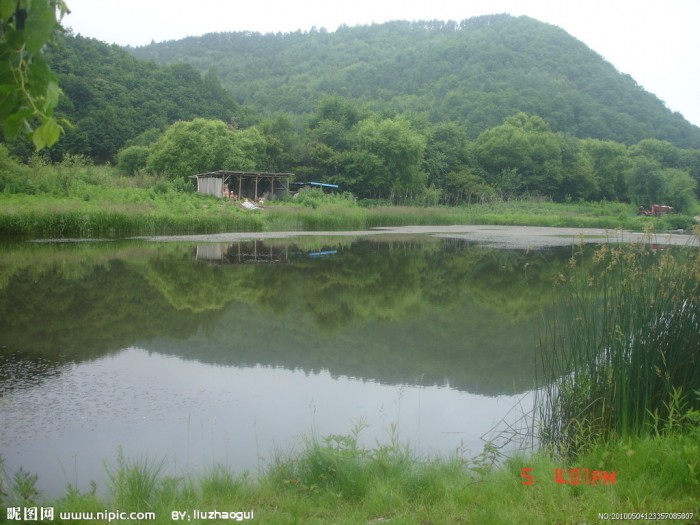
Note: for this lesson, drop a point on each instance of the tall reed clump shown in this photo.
(623, 353)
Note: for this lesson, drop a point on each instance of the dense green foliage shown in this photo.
(110, 98)
(475, 73)
(76, 198)
(492, 108)
(399, 158)
(187, 148)
(370, 156)
(29, 91)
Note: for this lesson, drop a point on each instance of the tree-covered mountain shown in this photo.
(491, 108)
(475, 73)
(110, 97)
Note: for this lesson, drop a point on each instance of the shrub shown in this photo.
(131, 160)
(315, 197)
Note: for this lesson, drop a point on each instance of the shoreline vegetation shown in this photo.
(337, 480)
(76, 199)
(611, 451)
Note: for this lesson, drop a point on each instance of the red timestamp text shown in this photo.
(574, 476)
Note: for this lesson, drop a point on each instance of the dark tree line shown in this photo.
(400, 157)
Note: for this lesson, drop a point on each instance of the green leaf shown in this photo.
(8, 103)
(41, 20)
(46, 134)
(7, 8)
(52, 94)
(7, 84)
(15, 122)
(39, 75)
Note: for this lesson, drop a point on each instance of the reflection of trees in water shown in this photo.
(367, 280)
(390, 311)
(514, 283)
(67, 320)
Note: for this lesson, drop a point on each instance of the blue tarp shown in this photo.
(317, 184)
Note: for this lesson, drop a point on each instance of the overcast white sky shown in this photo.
(655, 41)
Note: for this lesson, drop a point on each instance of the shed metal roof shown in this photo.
(316, 184)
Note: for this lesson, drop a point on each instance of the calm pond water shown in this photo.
(233, 353)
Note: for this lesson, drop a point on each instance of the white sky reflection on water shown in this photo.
(196, 415)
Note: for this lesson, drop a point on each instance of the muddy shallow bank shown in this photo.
(497, 236)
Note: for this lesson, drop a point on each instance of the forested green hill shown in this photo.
(111, 97)
(475, 73)
(492, 108)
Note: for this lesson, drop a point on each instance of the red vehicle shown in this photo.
(656, 210)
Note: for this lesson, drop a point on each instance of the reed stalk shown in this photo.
(624, 348)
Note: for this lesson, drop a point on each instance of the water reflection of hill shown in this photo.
(400, 312)
(460, 345)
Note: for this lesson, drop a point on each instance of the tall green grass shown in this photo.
(78, 199)
(624, 351)
(338, 480)
(49, 217)
(135, 483)
(132, 211)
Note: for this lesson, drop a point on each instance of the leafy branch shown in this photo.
(29, 91)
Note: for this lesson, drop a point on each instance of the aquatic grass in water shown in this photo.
(624, 349)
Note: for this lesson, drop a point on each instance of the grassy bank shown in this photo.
(337, 481)
(521, 213)
(121, 213)
(77, 199)
(138, 211)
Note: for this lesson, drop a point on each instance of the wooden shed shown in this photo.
(243, 184)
